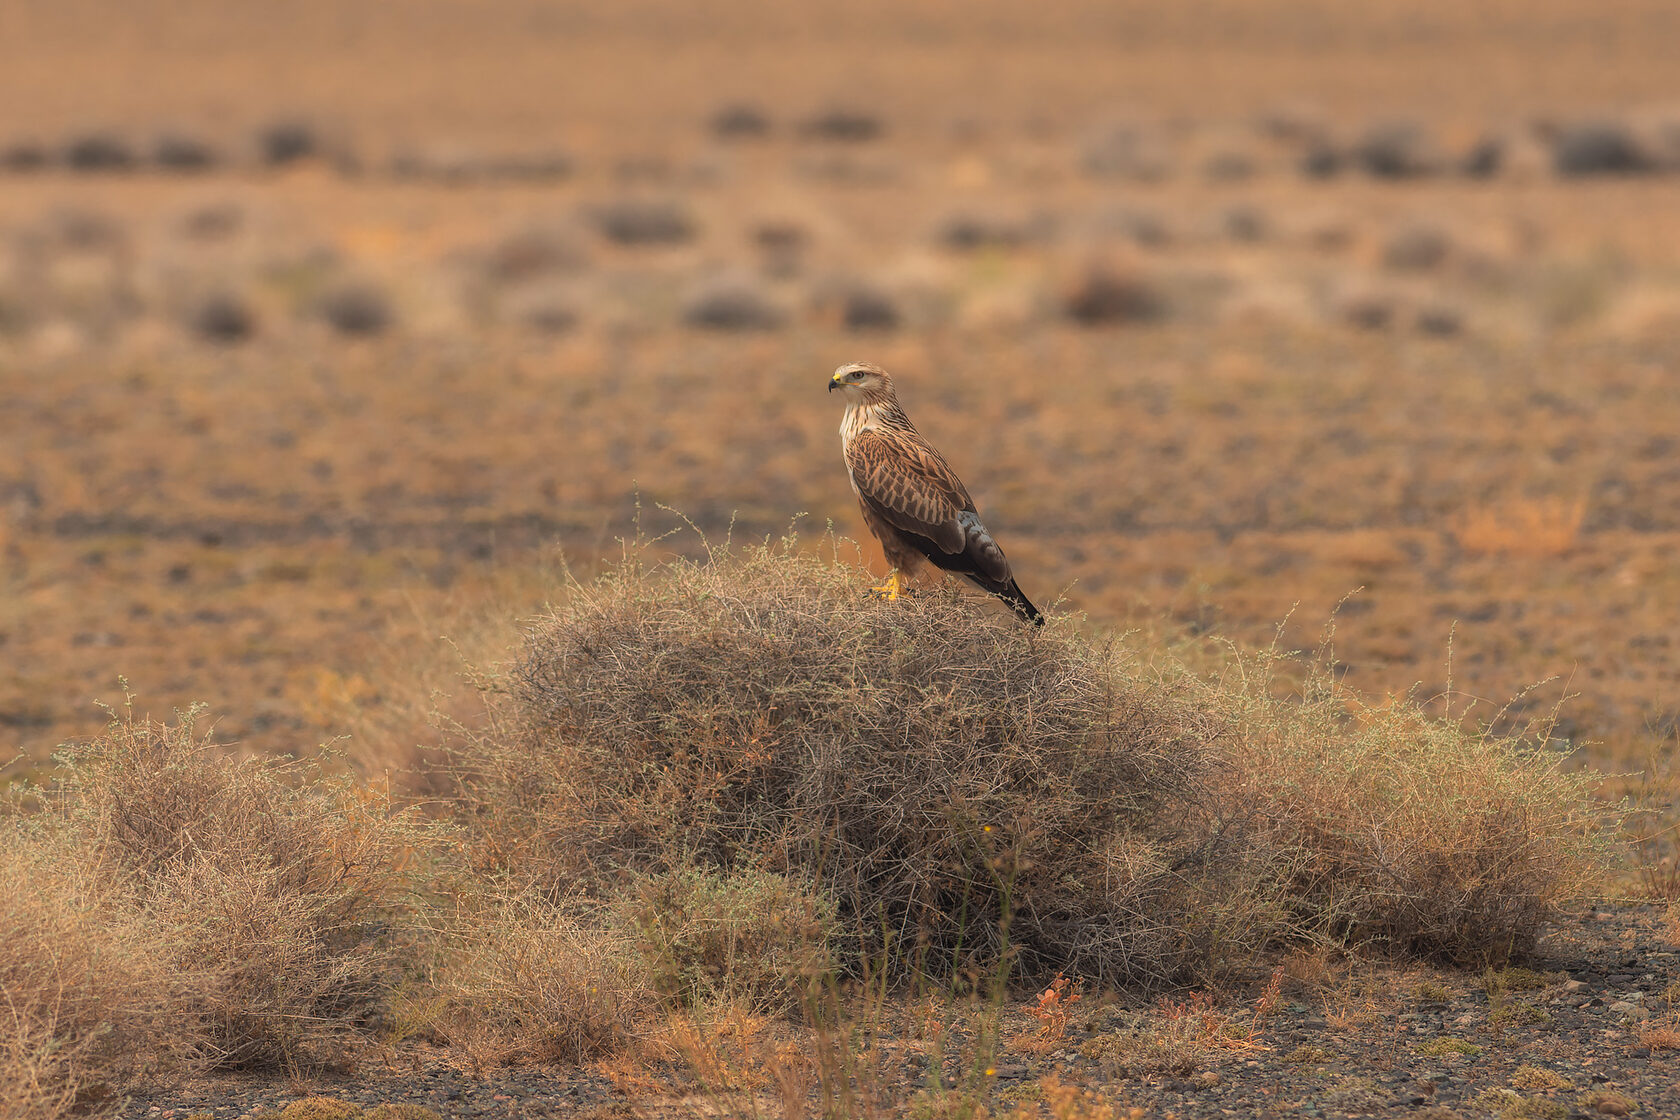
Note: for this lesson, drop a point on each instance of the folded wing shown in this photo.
(910, 486)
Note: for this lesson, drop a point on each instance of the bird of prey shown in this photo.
(912, 500)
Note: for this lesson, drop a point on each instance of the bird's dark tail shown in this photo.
(1022, 605)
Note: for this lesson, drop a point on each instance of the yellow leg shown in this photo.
(893, 588)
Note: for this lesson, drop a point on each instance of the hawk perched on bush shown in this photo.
(912, 500)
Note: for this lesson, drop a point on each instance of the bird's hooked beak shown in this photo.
(834, 383)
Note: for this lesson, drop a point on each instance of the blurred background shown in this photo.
(327, 328)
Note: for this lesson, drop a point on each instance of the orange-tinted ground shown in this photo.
(1458, 394)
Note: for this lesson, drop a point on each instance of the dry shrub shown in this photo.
(950, 780)
(528, 981)
(277, 890)
(733, 303)
(1105, 297)
(1603, 147)
(358, 309)
(82, 994)
(964, 791)
(753, 938)
(1396, 827)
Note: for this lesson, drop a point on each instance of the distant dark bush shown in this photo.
(88, 229)
(549, 317)
(451, 168)
(1124, 152)
(23, 155)
(781, 236)
(782, 246)
(174, 152)
(1321, 160)
(457, 167)
(867, 309)
(1416, 248)
(533, 167)
(1395, 151)
(1244, 223)
(356, 309)
(646, 223)
(733, 304)
(99, 153)
(846, 125)
(1484, 159)
(529, 253)
(1368, 311)
(1104, 297)
(1146, 229)
(1440, 320)
(223, 318)
(213, 222)
(1599, 148)
(969, 233)
(285, 142)
(1229, 167)
(545, 310)
(740, 122)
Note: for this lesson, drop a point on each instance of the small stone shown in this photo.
(1575, 986)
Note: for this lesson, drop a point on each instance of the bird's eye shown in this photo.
(856, 375)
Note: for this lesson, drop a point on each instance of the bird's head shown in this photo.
(862, 383)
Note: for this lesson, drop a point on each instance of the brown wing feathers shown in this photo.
(910, 489)
(909, 485)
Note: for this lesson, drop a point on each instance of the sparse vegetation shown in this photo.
(525, 981)
(733, 303)
(1210, 356)
(645, 223)
(1538, 1077)
(169, 904)
(356, 309)
(1510, 1105)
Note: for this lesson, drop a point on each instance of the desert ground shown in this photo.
(338, 343)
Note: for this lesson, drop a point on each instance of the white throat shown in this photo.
(859, 417)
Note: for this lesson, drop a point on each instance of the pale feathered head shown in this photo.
(862, 383)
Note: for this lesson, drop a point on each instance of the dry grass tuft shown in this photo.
(527, 981)
(167, 904)
(752, 938)
(83, 995)
(278, 888)
(1538, 1077)
(1398, 828)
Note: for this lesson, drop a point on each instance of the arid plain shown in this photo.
(332, 338)
(1445, 389)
